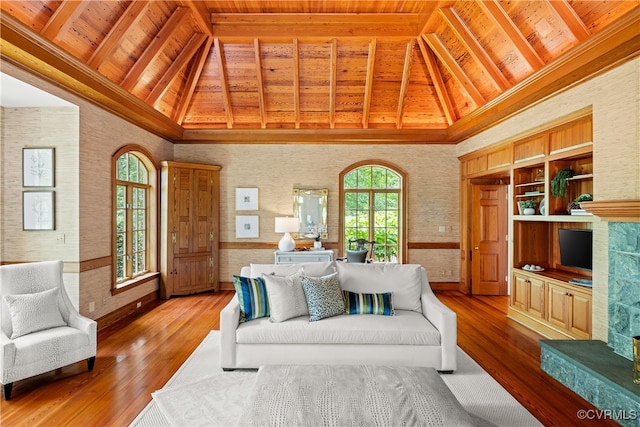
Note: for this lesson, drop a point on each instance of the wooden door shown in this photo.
(489, 240)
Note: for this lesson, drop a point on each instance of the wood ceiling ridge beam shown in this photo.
(257, 56)
(371, 59)
(615, 44)
(570, 19)
(224, 86)
(155, 48)
(201, 13)
(408, 59)
(464, 34)
(192, 80)
(61, 19)
(20, 45)
(457, 72)
(500, 18)
(438, 83)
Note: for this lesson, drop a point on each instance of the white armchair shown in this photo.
(41, 330)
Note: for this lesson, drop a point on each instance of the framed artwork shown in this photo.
(38, 167)
(246, 199)
(38, 210)
(247, 226)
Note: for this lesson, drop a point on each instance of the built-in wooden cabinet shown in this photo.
(190, 209)
(569, 309)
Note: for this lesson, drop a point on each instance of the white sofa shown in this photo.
(421, 333)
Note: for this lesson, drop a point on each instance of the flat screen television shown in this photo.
(576, 248)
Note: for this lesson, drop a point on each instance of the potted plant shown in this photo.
(317, 244)
(584, 197)
(559, 182)
(529, 207)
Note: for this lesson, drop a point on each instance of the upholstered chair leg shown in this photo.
(7, 390)
(90, 362)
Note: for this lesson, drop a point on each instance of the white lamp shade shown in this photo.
(287, 224)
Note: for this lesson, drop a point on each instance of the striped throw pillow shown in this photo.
(381, 304)
(252, 296)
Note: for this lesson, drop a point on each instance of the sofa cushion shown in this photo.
(286, 297)
(314, 269)
(405, 328)
(404, 280)
(355, 303)
(252, 297)
(324, 296)
(34, 312)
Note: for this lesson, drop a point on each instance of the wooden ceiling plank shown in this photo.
(130, 17)
(408, 58)
(263, 116)
(371, 60)
(192, 80)
(200, 12)
(467, 38)
(60, 21)
(456, 71)
(155, 48)
(173, 71)
(296, 82)
(500, 18)
(570, 19)
(438, 83)
(223, 82)
(332, 82)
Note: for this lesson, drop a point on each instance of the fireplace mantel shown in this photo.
(621, 210)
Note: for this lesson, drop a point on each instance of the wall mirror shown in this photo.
(310, 206)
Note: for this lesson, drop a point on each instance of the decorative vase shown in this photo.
(529, 211)
(636, 359)
(317, 245)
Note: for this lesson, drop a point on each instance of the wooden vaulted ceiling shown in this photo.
(403, 71)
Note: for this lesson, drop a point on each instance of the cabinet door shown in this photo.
(536, 298)
(558, 306)
(520, 292)
(193, 274)
(182, 210)
(581, 315)
(203, 212)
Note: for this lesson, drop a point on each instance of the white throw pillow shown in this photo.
(404, 280)
(315, 269)
(34, 312)
(286, 296)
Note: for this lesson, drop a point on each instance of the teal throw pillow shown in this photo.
(324, 296)
(381, 304)
(252, 297)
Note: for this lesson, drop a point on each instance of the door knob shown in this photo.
(476, 248)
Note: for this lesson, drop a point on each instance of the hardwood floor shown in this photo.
(139, 355)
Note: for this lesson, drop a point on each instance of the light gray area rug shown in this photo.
(201, 394)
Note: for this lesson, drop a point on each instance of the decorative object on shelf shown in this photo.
(247, 226)
(38, 210)
(559, 182)
(317, 244)
(38, 167)
(539, 175)
(532, 267)
(543, 206)
(287, 225)
(246, 199)
(529, 207)
(636, 359)
(574, 207)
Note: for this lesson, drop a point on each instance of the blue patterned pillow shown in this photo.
(368, 303)
(324, 296)
(252, 296)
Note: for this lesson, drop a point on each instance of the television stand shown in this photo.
(582, 282)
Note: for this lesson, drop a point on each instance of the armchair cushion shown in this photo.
(34, 312)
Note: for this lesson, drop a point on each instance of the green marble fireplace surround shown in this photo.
(599, 372)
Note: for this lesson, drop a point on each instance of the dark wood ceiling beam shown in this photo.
(258, 58)
(192, 80)
(61, 19)
(224, 86)
(500, 18)
(130, 17)
(155, 48)
(332, 83)
(200, 12)
(173, 71)
(454, 68)
(406, 72)
(316, 25)
(371, 60)
(21, 46)
(296, 82)
(570, 19)
(478, 53)
(438, 83)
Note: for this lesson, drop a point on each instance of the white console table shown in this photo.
(295, 257)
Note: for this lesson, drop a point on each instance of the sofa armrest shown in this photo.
(7, 353)
(229, 321)
(445, 320)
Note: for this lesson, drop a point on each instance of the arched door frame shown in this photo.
(402, 244)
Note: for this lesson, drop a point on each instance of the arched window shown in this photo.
(135, 217)
(372, 206)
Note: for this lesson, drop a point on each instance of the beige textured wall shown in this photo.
(276, 170)
(616, 152)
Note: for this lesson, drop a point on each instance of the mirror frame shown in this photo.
(299, 196)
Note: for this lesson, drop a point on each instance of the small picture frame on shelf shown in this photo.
(520, 208)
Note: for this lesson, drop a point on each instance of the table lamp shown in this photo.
(287, 225)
